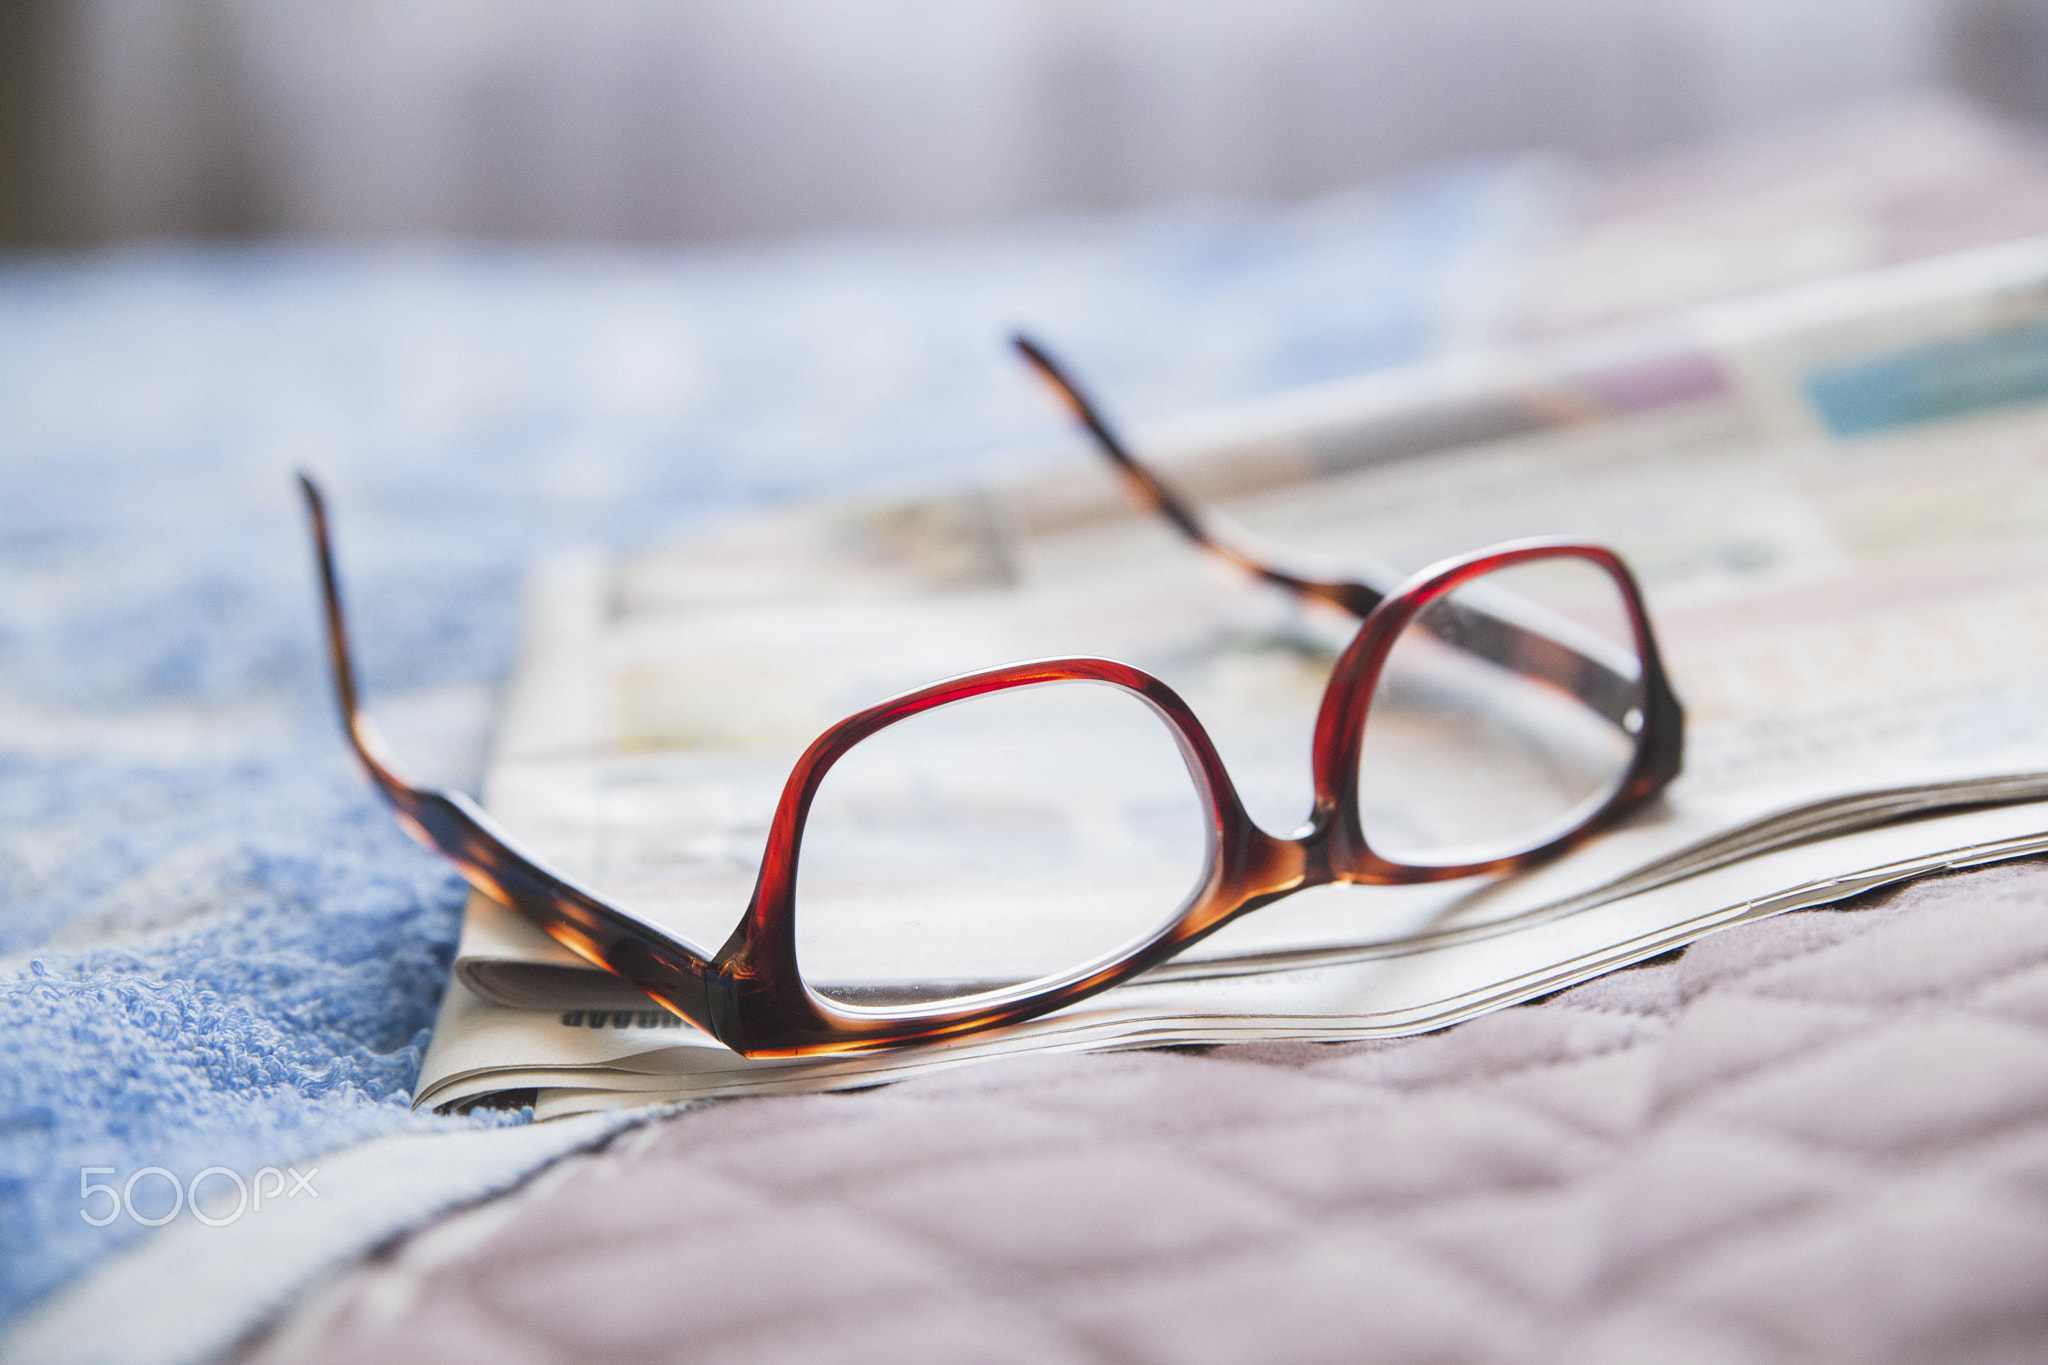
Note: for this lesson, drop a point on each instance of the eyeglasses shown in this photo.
(1489, 713)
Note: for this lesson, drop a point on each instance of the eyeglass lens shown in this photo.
(1002, 839)
(1466, 758)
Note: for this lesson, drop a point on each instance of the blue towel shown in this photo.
(216, 950)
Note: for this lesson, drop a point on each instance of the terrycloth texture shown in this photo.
(1822, 1137)
(215, 947)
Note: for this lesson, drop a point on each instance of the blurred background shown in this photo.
(515, 277)
(685, 120)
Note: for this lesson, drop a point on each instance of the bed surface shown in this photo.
(1819, 1137)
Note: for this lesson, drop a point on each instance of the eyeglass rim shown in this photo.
(1340, 724)
(1248, 867)
(763, 950)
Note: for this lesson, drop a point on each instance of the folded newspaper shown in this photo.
(1837, 500)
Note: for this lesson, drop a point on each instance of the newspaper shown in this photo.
(1850, 585)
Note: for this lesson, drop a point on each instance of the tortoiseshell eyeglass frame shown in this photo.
(750, 993)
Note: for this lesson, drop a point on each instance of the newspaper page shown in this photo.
(1851, 599)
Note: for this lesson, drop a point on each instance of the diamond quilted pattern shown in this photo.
(1727, 1037)
(1869, 1096)
(1820, 1137)
(1276, 1307)
(1145, 1206)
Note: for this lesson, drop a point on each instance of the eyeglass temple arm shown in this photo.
(1526, 651)
(359, 729)
(448, 823)
(1204, 528)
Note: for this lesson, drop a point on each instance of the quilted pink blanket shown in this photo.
(1820, 1137)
